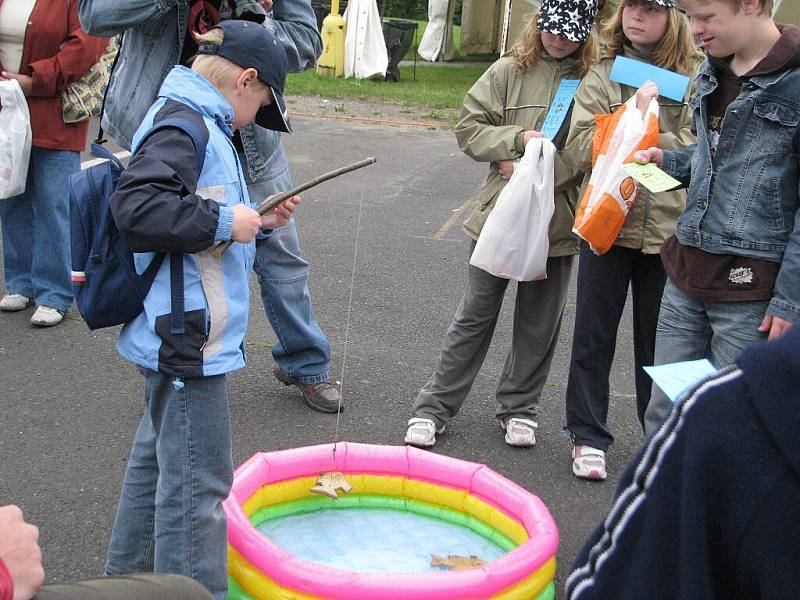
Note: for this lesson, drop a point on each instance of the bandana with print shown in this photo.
(570, 19)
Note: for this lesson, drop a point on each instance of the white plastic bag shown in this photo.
(15, 139)
(514, 243)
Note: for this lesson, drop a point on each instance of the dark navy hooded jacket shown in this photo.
(710, 508)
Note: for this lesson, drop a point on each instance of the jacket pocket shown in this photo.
(787, 116)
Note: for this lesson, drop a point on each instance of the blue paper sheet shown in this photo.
(634, 73)
(676, 378)
(559, 107)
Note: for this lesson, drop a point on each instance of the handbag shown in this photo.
(83, 99)
(15, 139)
(514, 242)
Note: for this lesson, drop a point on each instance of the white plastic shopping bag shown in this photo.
(514, 243)
(15, 139)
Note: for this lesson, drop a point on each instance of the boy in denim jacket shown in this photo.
(734, 262)
(170, 517)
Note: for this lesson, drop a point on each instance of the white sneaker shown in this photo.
(14, 302)
(46, 316)
(519, 432)
(422, 432)
(588, 462)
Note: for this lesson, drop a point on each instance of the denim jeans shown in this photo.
(36, 249)
(302, 352)
(170, 517)
(691, 329)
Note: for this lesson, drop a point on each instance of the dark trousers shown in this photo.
(602, 290)
(128, 587)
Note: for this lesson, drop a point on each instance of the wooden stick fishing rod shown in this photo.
(268, 205)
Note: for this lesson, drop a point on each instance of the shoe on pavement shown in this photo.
(588, 462)
(422, 432)
(46, 316)
(519, 432)
(14, 302)
(323, 396)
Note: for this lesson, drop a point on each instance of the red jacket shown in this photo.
(6, 585)
(56, 52)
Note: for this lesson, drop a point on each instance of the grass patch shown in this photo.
(435, 87)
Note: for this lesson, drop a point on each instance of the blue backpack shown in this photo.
(108, 290)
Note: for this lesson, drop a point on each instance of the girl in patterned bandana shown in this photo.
(656, 32)
(506, 107)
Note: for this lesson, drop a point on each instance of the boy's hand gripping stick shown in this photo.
(268, 205)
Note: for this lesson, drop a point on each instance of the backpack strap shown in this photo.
(199, 139)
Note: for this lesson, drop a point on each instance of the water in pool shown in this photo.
(375, 540)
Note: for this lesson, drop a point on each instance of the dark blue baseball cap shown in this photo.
(251, 45)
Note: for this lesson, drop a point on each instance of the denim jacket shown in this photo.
(154, 35)
(744, 201)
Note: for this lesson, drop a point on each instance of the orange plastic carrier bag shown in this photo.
(611, 191)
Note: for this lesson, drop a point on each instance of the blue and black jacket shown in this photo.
(162, 204)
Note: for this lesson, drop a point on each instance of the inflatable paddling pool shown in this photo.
(412, 525)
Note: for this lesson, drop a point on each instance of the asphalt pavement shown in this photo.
(388, 267)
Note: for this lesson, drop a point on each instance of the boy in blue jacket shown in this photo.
(170, 517)
(734, 261)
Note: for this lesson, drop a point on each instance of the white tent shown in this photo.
(364, 48)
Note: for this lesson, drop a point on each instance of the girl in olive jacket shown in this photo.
(652, 31)
(501, 112)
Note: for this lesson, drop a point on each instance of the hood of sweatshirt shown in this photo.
(197, 92)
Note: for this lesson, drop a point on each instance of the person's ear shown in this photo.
(246, 78)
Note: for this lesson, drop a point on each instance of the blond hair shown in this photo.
(766, 5)
(677, 50)
(529, 49)
(219, 71)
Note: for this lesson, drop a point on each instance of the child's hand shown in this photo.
(246, 223)
(644, 94)
(650, 155)
(281, 214)
(505, 168)
(531, 133)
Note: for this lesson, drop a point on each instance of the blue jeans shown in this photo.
(691, 329)
(302, 352)
(36, 249)
(170, 517)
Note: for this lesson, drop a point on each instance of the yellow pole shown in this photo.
(331, 63)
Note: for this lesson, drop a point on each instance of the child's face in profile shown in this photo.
(716, 25)
(557, 46)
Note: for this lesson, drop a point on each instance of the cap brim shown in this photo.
(274, 116)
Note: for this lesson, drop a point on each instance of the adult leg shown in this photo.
(16, 217)
(464, 347)
(302, 352)
(50, 266)
(537, 322)
(602, 291)
(647, 285)
(683, 333)
(127, 587)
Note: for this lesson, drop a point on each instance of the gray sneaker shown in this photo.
(323, 396)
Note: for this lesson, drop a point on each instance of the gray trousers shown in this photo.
(537, 320)
(148, 586)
